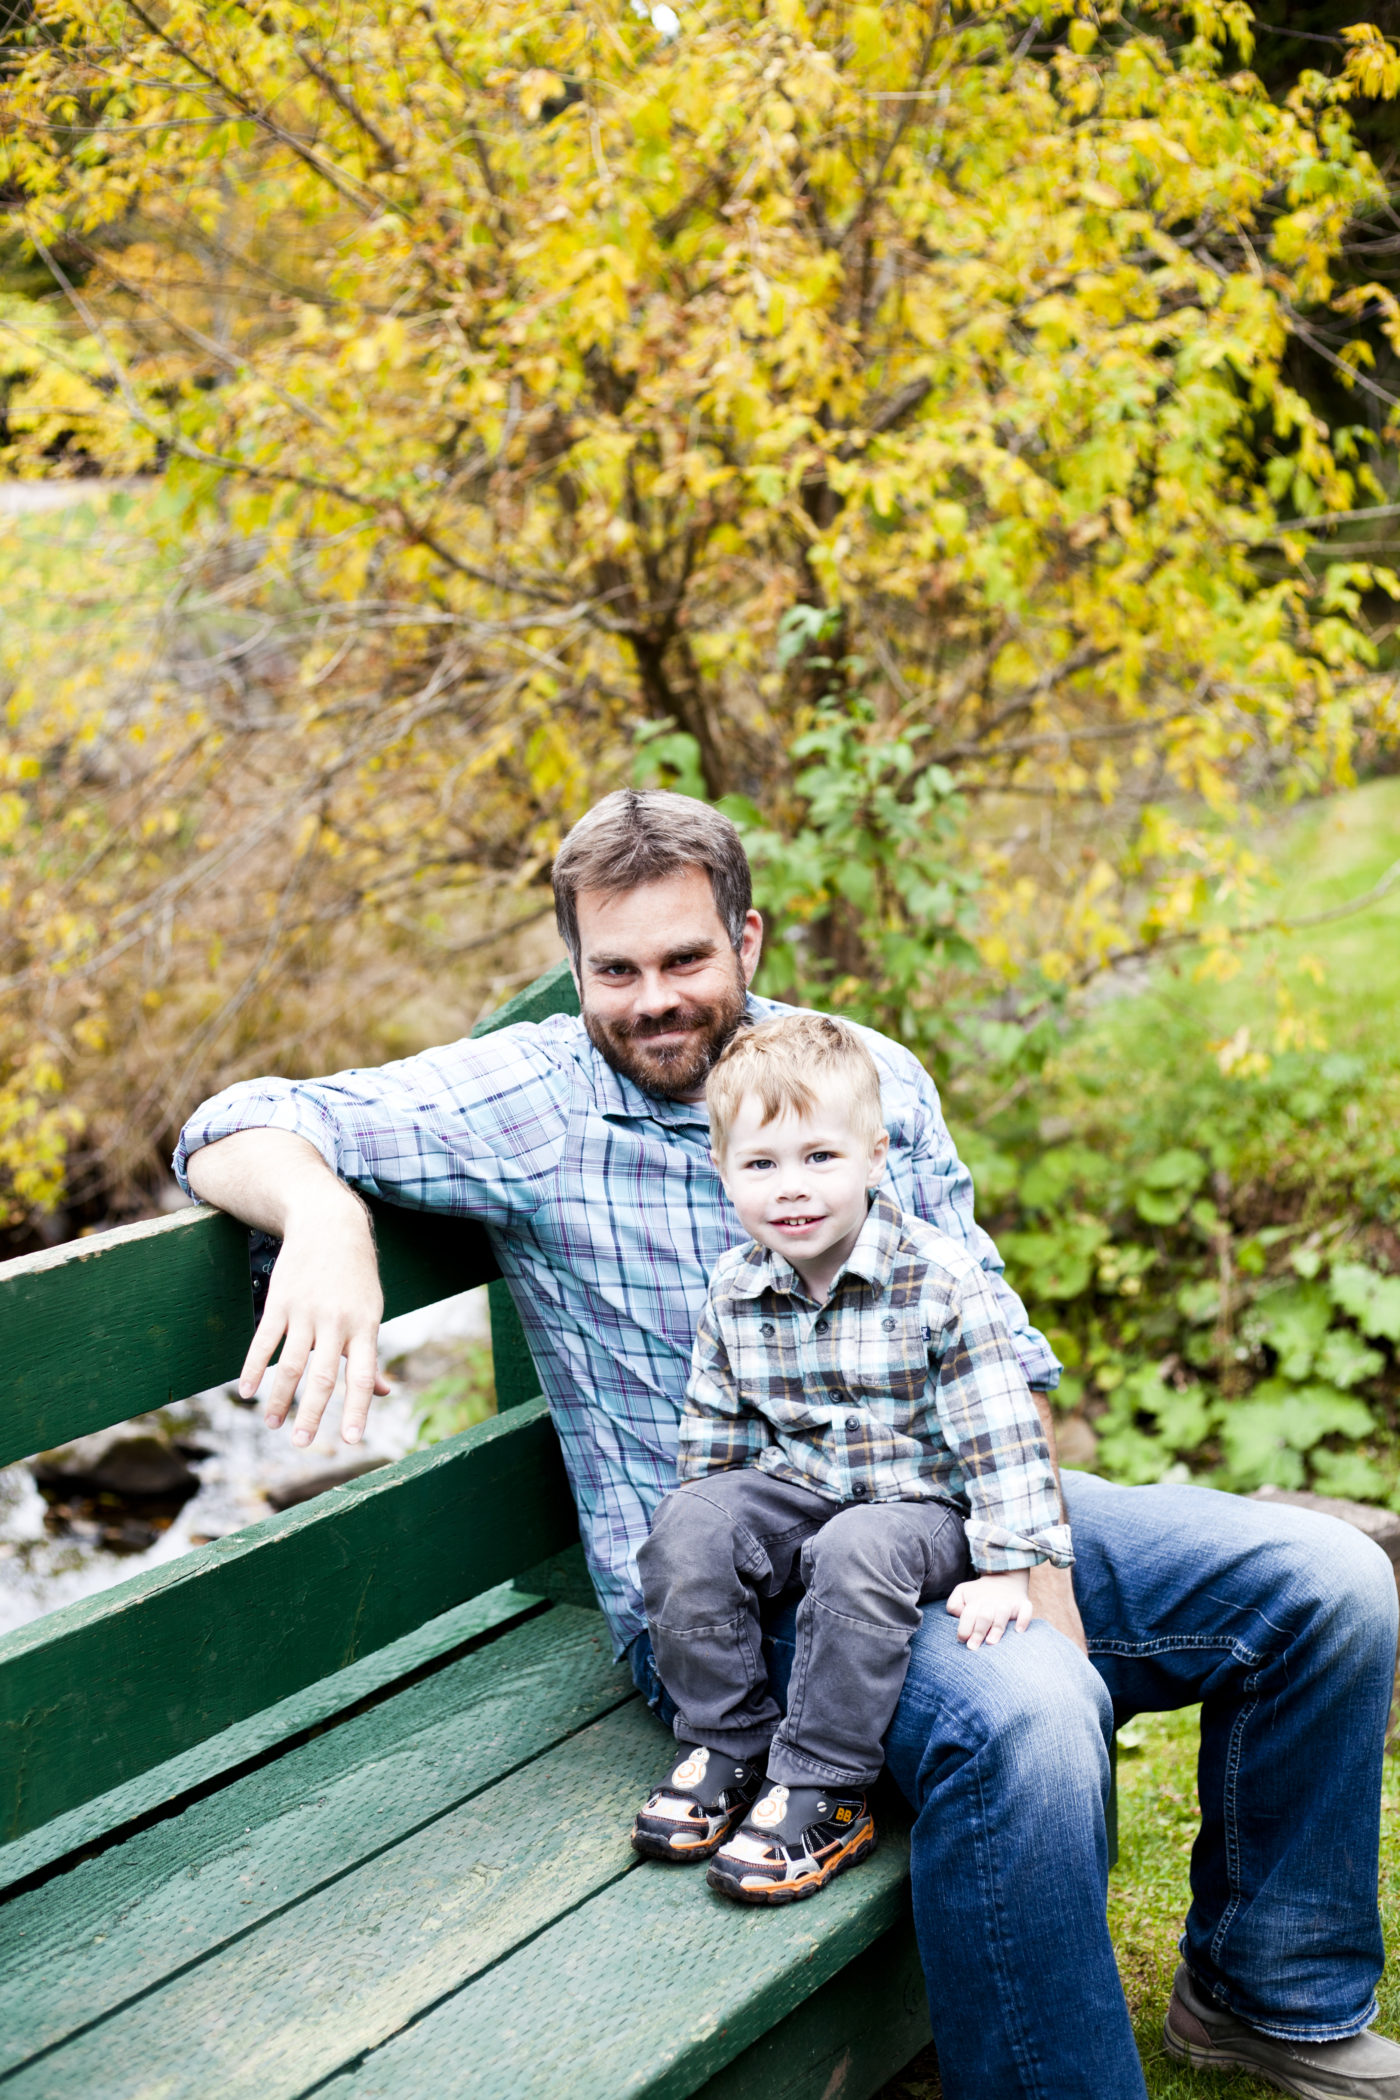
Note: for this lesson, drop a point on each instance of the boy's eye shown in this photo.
(759, 1164)
(819, 1159)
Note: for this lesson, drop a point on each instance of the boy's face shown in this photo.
(801, 1183)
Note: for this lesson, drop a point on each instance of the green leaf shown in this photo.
(1176, 1169)
(1372, 1300)
(1293, 1321)
(1158, 1207)
(1345, 1361)
(1056, 1172)
(1349, 1473)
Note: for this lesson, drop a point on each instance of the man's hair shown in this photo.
(791, 1065)
(642, 835)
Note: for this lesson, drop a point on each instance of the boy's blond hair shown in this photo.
(791, 1065)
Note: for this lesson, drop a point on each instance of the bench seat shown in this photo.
(431, 1892)
(339, 1804)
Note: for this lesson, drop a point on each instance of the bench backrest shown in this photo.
(123, 1322)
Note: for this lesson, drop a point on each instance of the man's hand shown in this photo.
(985, 1608)
(324, 1303)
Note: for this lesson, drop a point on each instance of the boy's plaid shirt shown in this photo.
(606, 1218)
(903, 1387)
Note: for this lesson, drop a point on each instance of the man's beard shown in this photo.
(672, 1071)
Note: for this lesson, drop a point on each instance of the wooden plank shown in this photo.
(116, 1926)
(343, 1970)
(650, 1988)
(108, 1327)
(844, 2043)
(167, 1788)
(111, 1326)
(553, 992)
(95, 1693)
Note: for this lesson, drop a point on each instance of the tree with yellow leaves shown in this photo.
(876, 415)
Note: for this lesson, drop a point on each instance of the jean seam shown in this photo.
(1183, 1644)
(1230, 1817)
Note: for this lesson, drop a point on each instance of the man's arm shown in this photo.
(473, 1129)
(324, 1302)
(1052, 1589)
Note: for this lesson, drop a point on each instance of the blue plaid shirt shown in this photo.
(606, 1217)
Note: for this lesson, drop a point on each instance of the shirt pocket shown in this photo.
(892, 1377)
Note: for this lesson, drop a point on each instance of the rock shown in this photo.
(1075, 1442)
(286, 1494)
(1382, 1525)
(138, 1466)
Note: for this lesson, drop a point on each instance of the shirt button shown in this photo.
(853, 1422)
(889, 1325)
(768, 1328)
(821, 1327)
(860, 1489)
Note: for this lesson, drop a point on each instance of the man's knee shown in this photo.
(1032, 1709)
(1343, 1583)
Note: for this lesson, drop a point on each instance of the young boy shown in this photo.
(855, 1417)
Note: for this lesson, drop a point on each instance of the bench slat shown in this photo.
(74, 1951)
(109, 1327)
(95, 1693)
(348, 1967)
(651, 1988)
(847, 2040)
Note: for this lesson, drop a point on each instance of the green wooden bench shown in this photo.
(334, 1804)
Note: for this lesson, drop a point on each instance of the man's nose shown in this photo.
(653, 995)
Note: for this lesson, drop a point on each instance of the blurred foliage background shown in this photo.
(958, 440)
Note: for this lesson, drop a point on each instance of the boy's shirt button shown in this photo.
(860, 1489)
(889, 1325)
(853, 1422)
(821, 1327)
(768, 1329)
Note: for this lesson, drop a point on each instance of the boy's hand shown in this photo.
(985, 1608)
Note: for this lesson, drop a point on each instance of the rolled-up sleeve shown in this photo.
(474, 1128)
(991, 1428)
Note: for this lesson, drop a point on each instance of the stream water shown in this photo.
(53, 1551)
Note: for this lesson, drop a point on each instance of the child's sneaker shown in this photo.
(697, 1804)
(792, 1844)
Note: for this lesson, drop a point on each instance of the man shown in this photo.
(582, 1146)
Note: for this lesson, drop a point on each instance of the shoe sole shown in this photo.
(777, 1892)
(1224, 2059)
(657, 1846)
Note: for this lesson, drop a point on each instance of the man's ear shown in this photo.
(750, 946)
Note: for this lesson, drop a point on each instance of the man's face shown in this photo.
(661, 987)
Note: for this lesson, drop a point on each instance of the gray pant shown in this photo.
(721, 1546)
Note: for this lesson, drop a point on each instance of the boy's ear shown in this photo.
(879, 1153)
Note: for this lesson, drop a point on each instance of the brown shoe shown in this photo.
(1363, 2067)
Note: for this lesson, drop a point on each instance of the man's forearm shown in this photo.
(1052, 1589)
(267, 1177)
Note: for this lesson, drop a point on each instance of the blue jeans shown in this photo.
(1282, 1624)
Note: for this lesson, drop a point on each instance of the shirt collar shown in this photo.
(872, 1258)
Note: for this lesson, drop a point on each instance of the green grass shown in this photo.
(1149, 1891)
(1324, 855)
